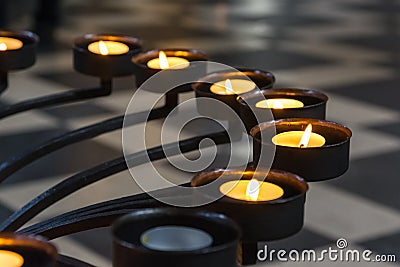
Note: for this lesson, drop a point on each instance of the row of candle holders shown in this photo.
(254, 205)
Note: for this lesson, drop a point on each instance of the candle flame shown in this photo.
(306, 137)
(277, 104)
(103, 48)
(163, 60)
(3, 47)
(228, 86)
(253, 190)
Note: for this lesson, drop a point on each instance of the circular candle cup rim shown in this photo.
(158, 212)
(286, 91)
(33, 241)
(70, 261)
(142, 58)
(81, 43)
(299, 121)
(26, 37)
(240, 73)
(209, 176)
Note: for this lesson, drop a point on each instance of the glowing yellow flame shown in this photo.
(306, 137)
(253, 190)
(163, 60)
(10, 259)
(3, 47)
(277, 105)
(228, 86)
(103, 48)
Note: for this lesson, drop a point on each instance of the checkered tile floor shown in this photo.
(348, 49)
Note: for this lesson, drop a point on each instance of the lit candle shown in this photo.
(7, 43)
(301, 139)
(232, 87)
(251, 190)
(108, 48)
(167, 62)
(10, 259)
(279, 103)
(175, 238)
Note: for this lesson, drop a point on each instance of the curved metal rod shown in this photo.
(16, 163)
(83, 223)
(66, 261)
(54, 99)
(99, 215)
(130, 202)
(97, 173)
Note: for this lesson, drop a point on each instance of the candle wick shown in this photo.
(301, 145)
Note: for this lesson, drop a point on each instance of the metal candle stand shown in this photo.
(258, 220)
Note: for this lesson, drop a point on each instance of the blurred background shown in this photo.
(348, 49)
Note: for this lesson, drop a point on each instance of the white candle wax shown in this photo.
(175, 238)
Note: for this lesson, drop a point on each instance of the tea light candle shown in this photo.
(7, 43)
(166, 62)
(255, 213)
(232, 87)
(301, 139)
(26, 250)
(10, 259)
(279, 103)
(175, 238)
(251, 190)
(325, 156)
(17, 52)
(105, 55)
(108, 48)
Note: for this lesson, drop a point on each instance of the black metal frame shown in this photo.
(105, 213)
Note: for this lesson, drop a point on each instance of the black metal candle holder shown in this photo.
(313, 163)
(34, 250)
(105, 66)
(143, 72)
(314, 105)
(129, 249)
(259, 220)
(261, 79)
(17, 59)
